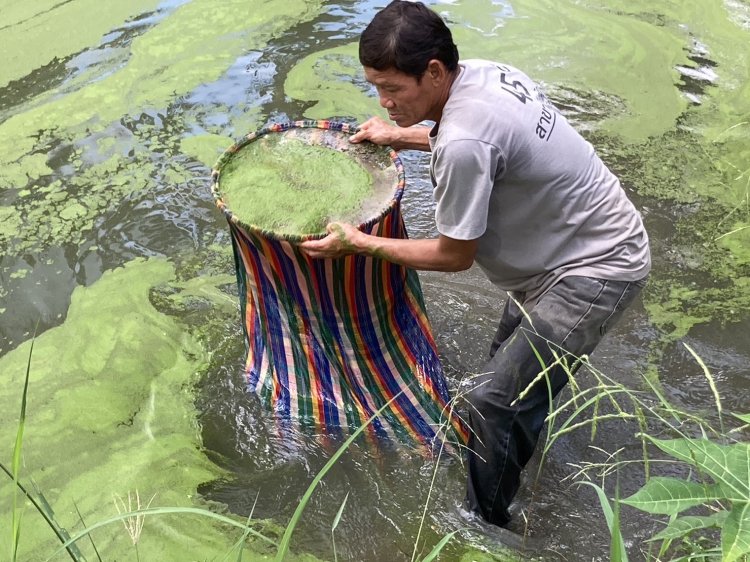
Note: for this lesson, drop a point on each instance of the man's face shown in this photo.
(407, 100)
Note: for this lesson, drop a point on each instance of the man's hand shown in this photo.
(431, 254)
(377, 131)
(339, 242)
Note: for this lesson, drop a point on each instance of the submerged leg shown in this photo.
(567, 322)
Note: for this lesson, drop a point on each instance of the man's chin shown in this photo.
(402, 121)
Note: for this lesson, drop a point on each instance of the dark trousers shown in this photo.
(568, 320)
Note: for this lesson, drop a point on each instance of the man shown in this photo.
(526, 197)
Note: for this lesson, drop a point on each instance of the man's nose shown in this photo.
(386, 102)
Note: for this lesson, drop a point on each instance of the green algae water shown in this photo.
(295, 183)
(111, 418)
(113, 252)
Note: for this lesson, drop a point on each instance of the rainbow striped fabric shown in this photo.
(333, 340)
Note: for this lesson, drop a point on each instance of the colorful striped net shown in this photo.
(331, 341)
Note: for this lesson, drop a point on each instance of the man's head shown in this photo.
(406, 36)
(408, 54)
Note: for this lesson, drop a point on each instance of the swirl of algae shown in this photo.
(27, 23)
(334, 80)
(614, 53)
(54, 203)
(111, 411)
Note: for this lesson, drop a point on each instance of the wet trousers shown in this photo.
(567, 322)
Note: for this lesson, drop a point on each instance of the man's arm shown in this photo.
(378, 131)
(435, 254)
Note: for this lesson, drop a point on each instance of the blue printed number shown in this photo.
(515, 88)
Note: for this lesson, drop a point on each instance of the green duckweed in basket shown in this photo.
(297, 181)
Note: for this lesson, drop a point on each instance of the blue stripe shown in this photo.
(370, 336)
(259, 346)
(274, 328)
(338, 271)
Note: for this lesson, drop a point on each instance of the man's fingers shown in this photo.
(364, 130)
(316, 246)
(359, 136)
(335, 228)
(311, 249)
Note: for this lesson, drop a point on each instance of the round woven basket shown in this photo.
(341, 129)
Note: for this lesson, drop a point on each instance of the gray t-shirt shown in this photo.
(508, 169)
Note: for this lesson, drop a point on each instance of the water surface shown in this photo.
(111, 249)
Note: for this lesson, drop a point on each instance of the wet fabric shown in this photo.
(567, 323)
(333, 340)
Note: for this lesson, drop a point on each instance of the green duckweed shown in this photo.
(287, 185)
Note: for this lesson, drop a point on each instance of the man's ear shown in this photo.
(436, 71)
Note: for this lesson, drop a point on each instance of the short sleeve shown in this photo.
(463, 174)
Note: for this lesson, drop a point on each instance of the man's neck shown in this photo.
(443, 99)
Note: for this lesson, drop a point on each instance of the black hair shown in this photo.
(406, 36)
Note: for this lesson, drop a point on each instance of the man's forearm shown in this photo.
(412, 138)
(423, 254)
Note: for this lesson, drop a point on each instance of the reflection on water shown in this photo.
(106, 148)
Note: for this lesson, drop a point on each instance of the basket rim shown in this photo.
(328, 124)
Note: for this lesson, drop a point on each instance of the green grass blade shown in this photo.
(613, 522)
(13, 473)
(711, 383)
(91, 539)
(335, 524)
(711, 555)
(604, 502)
(439, 547)
(16, 462)
(286, 539)
(163, 511)
(240, 544)
(617, 550)
(340, 512)
(666, 404)
(15, 538)
(61, 533)
(429, 491)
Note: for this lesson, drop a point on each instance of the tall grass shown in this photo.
(19, 490)
(707, 512)
(16, 464)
